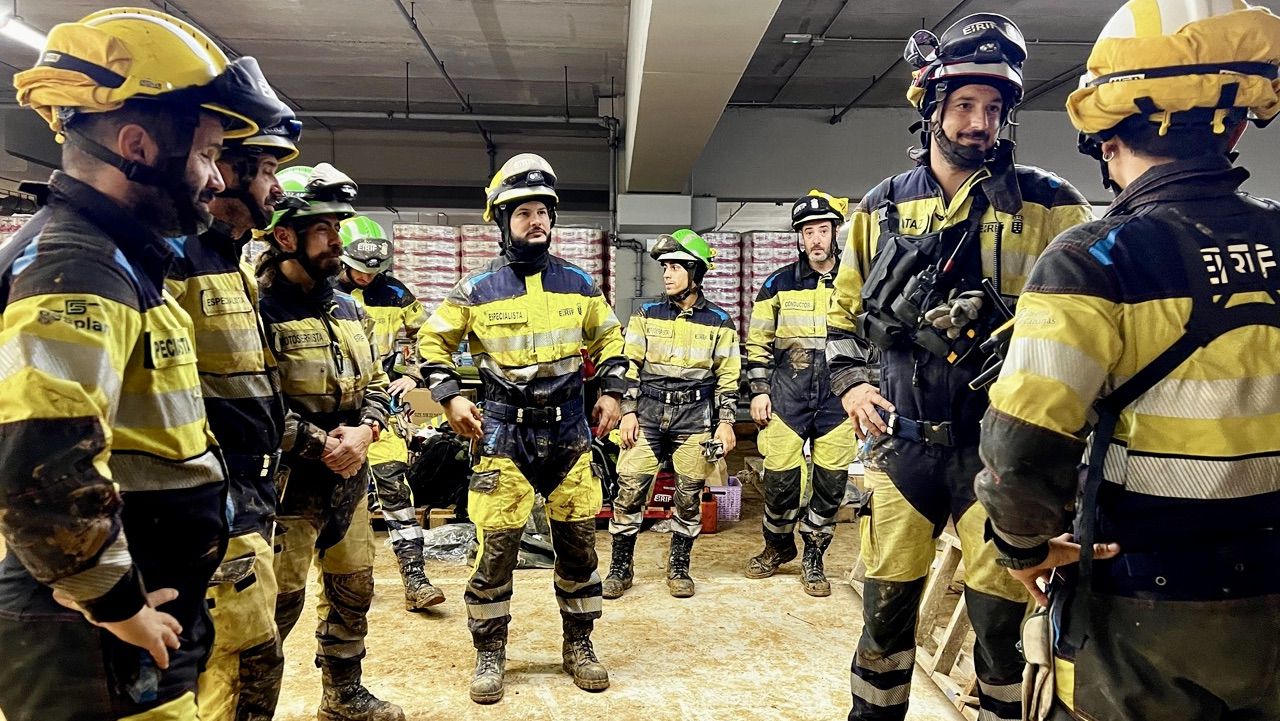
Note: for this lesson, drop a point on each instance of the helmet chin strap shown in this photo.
(682, 295)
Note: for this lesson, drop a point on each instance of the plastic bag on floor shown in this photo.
(450, 543)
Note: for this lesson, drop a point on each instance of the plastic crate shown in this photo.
(728, 500)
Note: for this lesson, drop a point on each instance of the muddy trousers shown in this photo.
(1163, 660)
(917, 487)
(346, 587)
(56, 666)
(393, 498)
(238, 683)
(786, 501)
(637, 468)
(500, 500)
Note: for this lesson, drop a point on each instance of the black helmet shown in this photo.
(985, 48)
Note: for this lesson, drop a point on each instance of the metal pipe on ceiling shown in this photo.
(478, 117)
(489, 145)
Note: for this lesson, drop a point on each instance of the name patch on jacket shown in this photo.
(219, 301)
(168, 348)
(797, 305)
(294, 339)
(661, 331)
(506, 317)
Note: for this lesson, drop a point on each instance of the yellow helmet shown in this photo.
(524, 177)
(120, 54)
(1180, 62)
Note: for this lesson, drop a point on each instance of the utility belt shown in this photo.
(911, 274)
(544, 417)
(252, 465)
(679, 398)
(933, 433)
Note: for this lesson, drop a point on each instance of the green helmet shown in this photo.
(365, 245)
(684, 246)
(322, 190)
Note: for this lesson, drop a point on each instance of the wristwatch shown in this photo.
(374, 425)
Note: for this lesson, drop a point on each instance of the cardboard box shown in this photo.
(425, 407)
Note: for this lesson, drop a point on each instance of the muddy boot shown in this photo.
(580, 658)
(815, 581)
(678, 580)
(419, 594)
(486, 686)
(344, 698)
(778, 549)
(620, 575)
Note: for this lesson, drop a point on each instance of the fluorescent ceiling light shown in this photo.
(797, 38)
(14, 29)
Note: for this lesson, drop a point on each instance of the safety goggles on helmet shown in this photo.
(523, 178)
(816, 206)
(683, 246)
(984, 48)
(322, 190)
(367, 255)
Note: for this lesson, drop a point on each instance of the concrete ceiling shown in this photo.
(860, 64)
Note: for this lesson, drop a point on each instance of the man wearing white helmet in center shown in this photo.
(1146, 343)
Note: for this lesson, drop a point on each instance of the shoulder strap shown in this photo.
(1209, 319)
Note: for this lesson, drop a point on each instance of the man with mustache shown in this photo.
(792, 400)
(922, 246)
(332, 378)
(241, 391)
(528, 316)
(112, 501)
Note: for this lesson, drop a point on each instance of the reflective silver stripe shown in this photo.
(845, 348)
(762, 323)
(593, 604)
(408, 533)
(524, 374)
(758, 374)
(1202, 478)
(503, 590)
(84, 364)
(160, 410)
(788, 515)
(228, 340)
(531, 341)
(626, 524)
(1063, 363)
(488, 611)
(403, 515)
(807, 342)
(779, 528)
(250, 385)
(656, 371)
(93, 583)
(1211, 399)
(568, 586)
(813, 522)
(804, 320)
(1004, 693)
(690, 353)
(883, 664)
(139, 472)
(876, 697)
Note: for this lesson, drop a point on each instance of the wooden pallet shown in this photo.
(937, 653)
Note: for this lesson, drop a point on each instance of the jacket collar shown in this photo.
(1192, 179)
(145, 249)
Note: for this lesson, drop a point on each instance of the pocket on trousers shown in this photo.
(484, 481)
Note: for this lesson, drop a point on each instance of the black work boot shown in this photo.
(678, 580)
(580, 658)
(778, 549)
(344, 698)
(419, 594)
(486, 685)
(815, 581)
(620, 575)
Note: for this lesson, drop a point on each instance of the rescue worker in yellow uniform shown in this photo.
(112, 489)
(1154, 329)
(526, 316)
(922, 246)
(332, 378)
(241, 391)
(792, 400)
(366, 258)
(682, 396)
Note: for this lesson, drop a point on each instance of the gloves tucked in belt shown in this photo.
(953, 315)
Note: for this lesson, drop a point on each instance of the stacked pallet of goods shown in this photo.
(480, 244)
(584, 247)
(427, 259)
(10, 224)
(763, 253)
(723, 284)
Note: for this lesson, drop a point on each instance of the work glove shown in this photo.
(953, 315)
